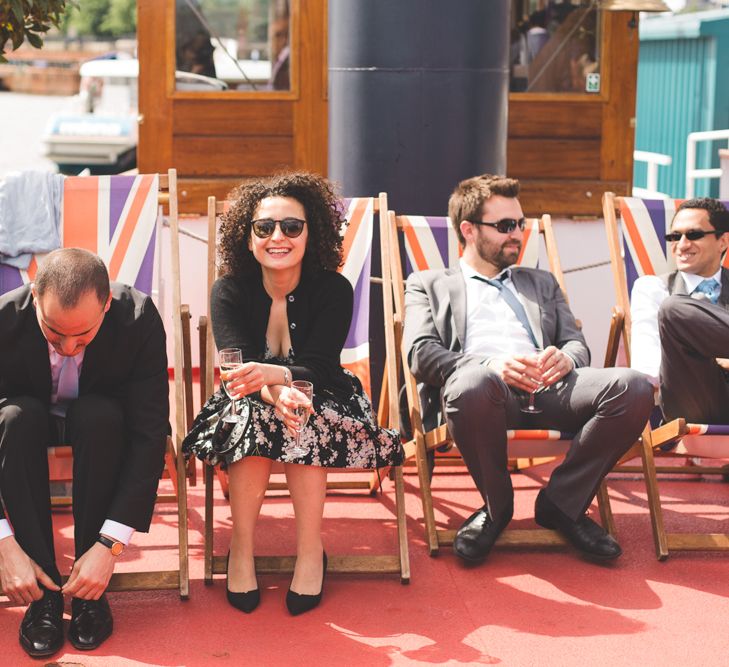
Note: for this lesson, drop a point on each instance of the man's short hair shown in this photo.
(718, 215)
(69, 273)
(467, 200)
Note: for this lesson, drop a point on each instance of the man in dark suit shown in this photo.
(83, 363)
(481, 337)
(680, 329)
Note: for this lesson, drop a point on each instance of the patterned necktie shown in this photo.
(67, 387)
(513, 303)
(710, 287)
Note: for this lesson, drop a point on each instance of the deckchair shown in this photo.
(117, 218)
(643, 251)
(431, 243)
(355, 357)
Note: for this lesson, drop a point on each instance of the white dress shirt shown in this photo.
(492, 328)
(114, 529)
(648, 294)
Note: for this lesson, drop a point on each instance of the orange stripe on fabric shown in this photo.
(638, 246)
(130, 224)
(533, 434)
(361, 369)
(353, 226)
(524, 243)
(32, 268)
(421, 263)
(80, 213)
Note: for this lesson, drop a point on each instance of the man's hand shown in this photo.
(554, 365)
(520, 372)
(91, 573)
(20, 575)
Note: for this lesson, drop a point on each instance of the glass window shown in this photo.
(233, 45)
(555, 46)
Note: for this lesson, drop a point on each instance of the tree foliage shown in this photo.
(22, 20)
(101, 18)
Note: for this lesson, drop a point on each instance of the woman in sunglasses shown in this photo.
(281, 301)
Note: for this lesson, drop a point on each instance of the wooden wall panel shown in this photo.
(232, 156)
(193, 193)
(566, 197)
(556, 158)
(228, 117)
(548, 116)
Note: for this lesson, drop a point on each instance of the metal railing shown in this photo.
(653, 161)
(692, 173)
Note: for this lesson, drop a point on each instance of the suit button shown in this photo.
(291, 298)
(292, 326)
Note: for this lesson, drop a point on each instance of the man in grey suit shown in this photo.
(680, 330)
(481, 337)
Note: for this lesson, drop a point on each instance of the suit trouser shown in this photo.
(693, 334)
(607, 409)
(94, 427)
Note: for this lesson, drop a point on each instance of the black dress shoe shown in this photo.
(299, 603)
(477, 535)
(41, 631)
(247, 601)
(584, 534)
(91, 623)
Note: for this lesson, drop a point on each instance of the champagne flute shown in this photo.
(231, 358)
(530, 408)
(302, 411)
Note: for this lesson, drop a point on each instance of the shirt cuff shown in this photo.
(5, 529)
(117, 531)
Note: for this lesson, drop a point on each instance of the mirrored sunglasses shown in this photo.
(692, 235)
(291, 227)
(504, 226)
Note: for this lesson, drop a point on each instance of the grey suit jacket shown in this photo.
(435, 326)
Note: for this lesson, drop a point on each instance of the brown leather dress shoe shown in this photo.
(588, 537)
(91, 623)
(41, 630)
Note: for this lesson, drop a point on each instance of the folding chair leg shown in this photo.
(402, 528)
(182, 525)
(606, 512)
(209, 481)
(654, 500)
(431, 533)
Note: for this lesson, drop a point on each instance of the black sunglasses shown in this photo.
(291, 227)
(505, 226)
(692, 235)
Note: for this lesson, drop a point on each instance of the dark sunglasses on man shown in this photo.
(290, 227)
(504, 226)
(692, 235)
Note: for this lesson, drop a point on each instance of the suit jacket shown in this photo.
(675, 284)
(435, 326)
(126, 361)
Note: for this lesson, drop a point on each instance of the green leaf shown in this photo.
(35, 40)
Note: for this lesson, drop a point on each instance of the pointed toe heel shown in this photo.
(245, 602)
(299, 603)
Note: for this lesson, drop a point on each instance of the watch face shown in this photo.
(117, 549)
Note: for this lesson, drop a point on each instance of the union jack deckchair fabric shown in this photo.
(113, 216)
(357, 269)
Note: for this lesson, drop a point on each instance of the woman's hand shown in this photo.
(251, 377)
(287, 403)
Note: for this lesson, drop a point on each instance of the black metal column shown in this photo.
(417, 97)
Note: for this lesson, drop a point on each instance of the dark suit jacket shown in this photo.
(675, 284)
(126, 361)
(435, 326)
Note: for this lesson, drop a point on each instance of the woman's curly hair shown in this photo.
(324, 219)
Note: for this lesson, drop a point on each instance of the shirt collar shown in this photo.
(692, 280)
(469, 272)
(57, 359)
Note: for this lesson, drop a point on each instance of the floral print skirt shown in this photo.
(340, 434)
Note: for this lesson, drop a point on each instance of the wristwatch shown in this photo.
(115, 547)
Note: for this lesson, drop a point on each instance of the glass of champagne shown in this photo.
(302, 411)
(530, 408)
(230, 359)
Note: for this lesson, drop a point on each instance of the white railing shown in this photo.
(692, 173)
(653, 161)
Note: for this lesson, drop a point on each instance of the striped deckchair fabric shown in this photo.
(357, 267)
(426, 242)
(638, 248)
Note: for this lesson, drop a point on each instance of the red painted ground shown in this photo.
(521, 607)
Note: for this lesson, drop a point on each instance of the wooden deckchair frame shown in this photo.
(426, 441)
(652, 439)
(398, 563)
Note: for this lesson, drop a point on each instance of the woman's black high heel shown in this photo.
(299, 603)
(247, 601)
